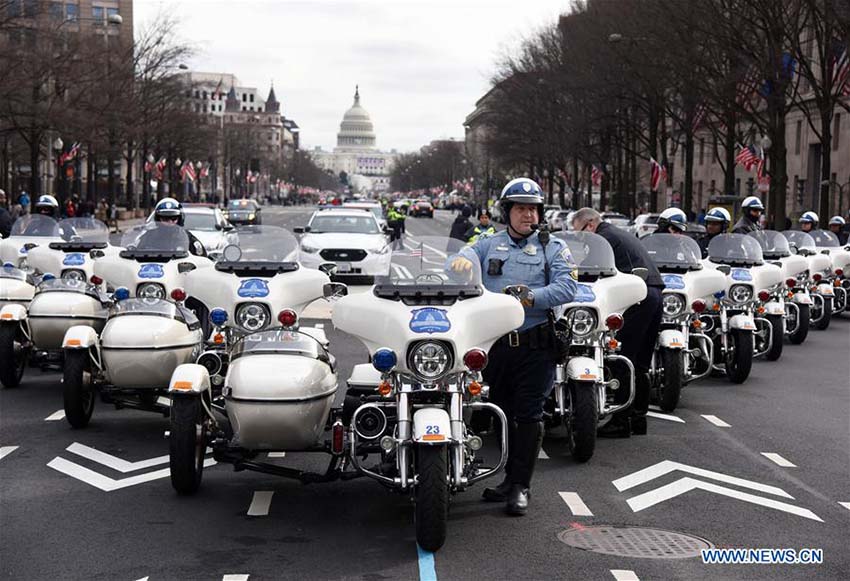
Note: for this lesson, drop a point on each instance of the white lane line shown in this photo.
(716, 421)
(624, 575)
(779, 460)
(114, 462)
(55, 416)
(845, 505)
(576, 504)
(542, 455)
(667, 417)
(237, 577)
(142, 579)
(105, 483)
(164, 401)
(319, 325)
(277, 454)
(6, 450)
(261, 503)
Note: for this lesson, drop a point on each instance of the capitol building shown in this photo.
(356, 153)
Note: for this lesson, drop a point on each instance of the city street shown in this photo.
(759, 465)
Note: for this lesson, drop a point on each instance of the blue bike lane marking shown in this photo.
(427, 572)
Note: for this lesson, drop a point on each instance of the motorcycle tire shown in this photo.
(738, 366)
(187, 444)
(432, 496)
(803, 322)
(777, 331)
(77, 390)
(823, 322)
(12, 362)
(671, 390)
(582, 425)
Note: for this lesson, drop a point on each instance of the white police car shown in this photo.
(351, 238)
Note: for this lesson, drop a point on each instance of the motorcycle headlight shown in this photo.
(252, 317)
(150, 290)
(584, 321)
(309, 249)
(429, 360)
(673, 305)
(73, 275)
(740, 293)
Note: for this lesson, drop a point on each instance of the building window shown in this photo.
(836, 132)
(197, 94)
(111, 12)
(13, 9)
(56, 10)
(204, 94)
(244, 98)
(244, 108)
(72, 12)
(31, 8)
(701, 150)
(798, 138)
(712, 189)
(738, 187)
(205, 108)
(252, 98)
(97, 14)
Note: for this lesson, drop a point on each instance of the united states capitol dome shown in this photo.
(356, 130)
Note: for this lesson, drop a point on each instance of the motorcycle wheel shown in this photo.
(432, 497)
(823, 322)
(777, 331)
(581, 426)
(13, 359)
(77, 389)
(802, 331)
(740, 361)
(671, 390)
(187, 444)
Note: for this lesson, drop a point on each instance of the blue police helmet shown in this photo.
(718, 215)
(168, 208)
(752, 203)
(522, 191)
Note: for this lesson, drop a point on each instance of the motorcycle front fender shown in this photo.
(13, 313)
(583, 369)
(80, 337)
(671, 339)
(802, 298)
(189, 378)
(826, 290)
(774, 308)
(742, 323)
(431, 426)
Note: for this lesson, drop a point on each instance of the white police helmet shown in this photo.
(752, 203)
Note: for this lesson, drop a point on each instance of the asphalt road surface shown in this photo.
(759, 465)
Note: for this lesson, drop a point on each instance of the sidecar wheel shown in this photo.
(671, 389)
(740, 362)
(803, 322)
(77, 388)
(13, 356)
(187, 444)
(582, 426)
(777, 330)
(432, 496)
(823, 322)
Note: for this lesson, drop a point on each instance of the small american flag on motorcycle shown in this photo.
(417, 252)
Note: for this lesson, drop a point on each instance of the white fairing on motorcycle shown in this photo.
(27, 233)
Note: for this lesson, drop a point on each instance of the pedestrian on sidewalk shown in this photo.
(113, 217)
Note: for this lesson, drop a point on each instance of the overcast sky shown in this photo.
(420, 64)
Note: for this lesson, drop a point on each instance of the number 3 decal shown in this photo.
(432, 429)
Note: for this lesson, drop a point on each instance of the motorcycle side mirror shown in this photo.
(641, 273)
(824, 251)
(329, 268)
(301, 230)
(29, 246)
(184, 267)
(93, 254)
(792, 247)
(724, 268)
(334, 289)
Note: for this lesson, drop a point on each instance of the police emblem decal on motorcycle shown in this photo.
(584, 294)
(253, 288)
(429, 320)
(151, 271)
(74, 259)
(741, 274)
(673, 281)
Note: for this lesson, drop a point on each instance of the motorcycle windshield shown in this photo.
(592, 254)
(277, 341)
(773, 244)
(155, 240)
(735, 250)
(799, 239)
(825, 239)
(73, 285)
(673, 251)
(35, 225)
(9, 271)
(154, 308)
(82, 232)
(260, 251)
(426, 265)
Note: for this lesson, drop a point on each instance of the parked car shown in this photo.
(616, 219)
(208, 224)
(374, 207)
(644, 224)
(422, 207)
(558, 220)
(244, 211)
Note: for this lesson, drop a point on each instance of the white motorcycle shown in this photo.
(34, 334)
(683, 353)
(594, 382)
(827, 243)
(27, 232)
(271, 382)
(818, 280)
(148, 333)
(428, 331)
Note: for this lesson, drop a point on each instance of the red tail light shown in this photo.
(614, 322)
(698, 305)
(287, 317)
(178, 295)
(764, 295)
(96, 280)
(839, 272)
(337, 438)
(475, 359)
(817, 277)
(791, 282)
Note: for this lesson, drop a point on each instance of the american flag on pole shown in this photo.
(160, 167)
(72, 154)
(748, 86)
(149, 166)
(417, 252)
(656, 172)
(187, 172)
(748, 157)
(596, 176)
(841, 70)
(205, 171)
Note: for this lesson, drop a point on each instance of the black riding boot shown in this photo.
(641, 403)
(527, 442)
(500, 493)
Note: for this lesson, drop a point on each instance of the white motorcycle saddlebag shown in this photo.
(583, 369)
(671, 339)
(742, 322)
(51, 314)
(15, 292)
(364, 378)
(142, 351)
(279, 401)
(431, 426)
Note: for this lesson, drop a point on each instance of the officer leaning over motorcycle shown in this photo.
(170, 211)
(641, 322)
(672, 221)
(751, 211)
(521, 370)
(716, 222)
(809, 221)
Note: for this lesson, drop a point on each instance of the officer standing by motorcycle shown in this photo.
(170, 211)
(539, 271)
(751, 211)
(641, 322)
(836, 226)
(672, 221)
(716, 222)
(809, 221)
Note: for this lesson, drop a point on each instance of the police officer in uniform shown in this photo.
(672, 221)
(836, 226)
(809, 221)
(716, 222)
(521, 368)
(641, 322)
(751, 211)
(170, 211)
(484, 228)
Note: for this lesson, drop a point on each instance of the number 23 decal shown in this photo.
(432, 429)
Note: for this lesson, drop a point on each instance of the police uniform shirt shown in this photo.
(506, 262)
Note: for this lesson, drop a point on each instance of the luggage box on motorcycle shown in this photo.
(15, 292)
(52, 313)
(364, 380)
(142, 351)
(279, 401)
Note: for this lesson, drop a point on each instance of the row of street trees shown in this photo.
(615, 84)
(440, 164)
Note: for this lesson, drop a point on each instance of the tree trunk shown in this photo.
(825, 208)
(35, 158)
(128, 190)
(688, 194)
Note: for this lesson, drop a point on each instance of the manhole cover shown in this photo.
(638, 542)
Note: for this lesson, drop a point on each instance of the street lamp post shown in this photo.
(59, 147)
